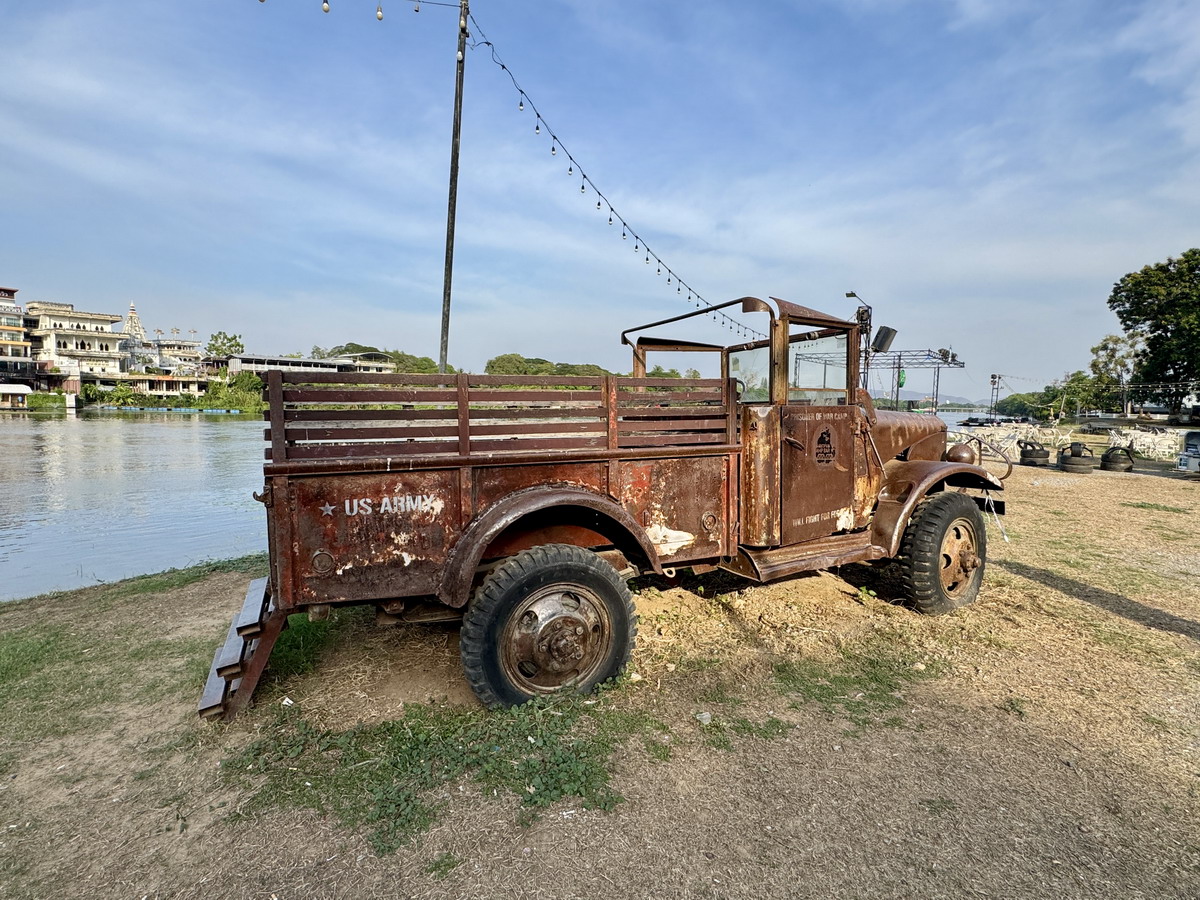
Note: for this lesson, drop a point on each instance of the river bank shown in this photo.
(1040, 743)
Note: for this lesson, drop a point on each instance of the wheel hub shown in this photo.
(960, 557)
(557, 636)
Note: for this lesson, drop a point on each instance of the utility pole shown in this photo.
(464, 13)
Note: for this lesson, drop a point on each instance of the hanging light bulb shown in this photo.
(678, 289)
(658, 271)
(668, 276)
(521, 105)
(571, 170)
(325, 6)
(379, 12)
(636, 246)
(624, 236)
(647, 259)
(553, 149)
(537, 129)
(583, 188)
(610, 217)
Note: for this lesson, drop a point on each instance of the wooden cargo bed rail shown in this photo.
(327, 415)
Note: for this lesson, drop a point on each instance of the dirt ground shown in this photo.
(1055, 753)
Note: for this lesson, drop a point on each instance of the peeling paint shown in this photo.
(667, 541)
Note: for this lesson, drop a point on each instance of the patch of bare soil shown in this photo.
(1054, 755)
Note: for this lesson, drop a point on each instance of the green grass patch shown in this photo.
(254, 565)
(1157, 507)
(862, 686)
(443, 864)
(391, 779)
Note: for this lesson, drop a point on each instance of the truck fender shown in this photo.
(600, 513)
(907, 483)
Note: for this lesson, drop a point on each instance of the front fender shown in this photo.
(597, 512)
(907, 483)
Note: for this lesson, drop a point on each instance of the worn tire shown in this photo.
(1077, 468)
(943, 553)
(549, 619)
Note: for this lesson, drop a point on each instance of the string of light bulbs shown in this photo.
(417, 4)
(640, 246)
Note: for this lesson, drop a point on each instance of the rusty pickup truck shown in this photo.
(522, 504)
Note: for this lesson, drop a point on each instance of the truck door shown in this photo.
(820, 426)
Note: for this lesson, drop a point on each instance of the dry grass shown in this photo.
(1041, 743)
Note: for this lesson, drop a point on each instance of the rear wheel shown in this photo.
(942, 553)
(549, 619)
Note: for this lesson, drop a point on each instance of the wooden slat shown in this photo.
(463, 426)
(354, 433)
(671, 412)
(249, 620)
(523, 446)
(648, 397)
(274, 392)
(368, 395)
(228, 663)
(212, 701)
(367, 415)
(674, 425)
(670, 440)
(552, 380)
(624, 383)
(498, 396)
(539, 412)
(358, 451)
(520, 428)
(291, 378)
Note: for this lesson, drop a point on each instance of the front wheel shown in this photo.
(549, 619)
(943, 552)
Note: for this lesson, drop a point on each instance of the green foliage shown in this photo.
(43, 401)
(387, 777)
(419, 365)
(223, 346)
(243, 391)
(516, 364)
(1022, 405)
(90, 393)
(660, 372)
(1161, 306)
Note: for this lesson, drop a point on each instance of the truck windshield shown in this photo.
(752, 370)
(817, 370)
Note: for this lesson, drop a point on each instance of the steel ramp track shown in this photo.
(240, 661)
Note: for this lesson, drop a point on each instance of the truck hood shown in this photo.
(895, 432)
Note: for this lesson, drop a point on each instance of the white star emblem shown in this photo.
(327, 509)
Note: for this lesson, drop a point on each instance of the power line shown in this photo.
(640, 246)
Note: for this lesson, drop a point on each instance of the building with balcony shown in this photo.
(16, 357)
(72, 344)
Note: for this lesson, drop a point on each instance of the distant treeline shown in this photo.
(505, 364)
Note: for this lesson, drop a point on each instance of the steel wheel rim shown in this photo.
(559, 635)
(959, 557)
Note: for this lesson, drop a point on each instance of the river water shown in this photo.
(101, 496)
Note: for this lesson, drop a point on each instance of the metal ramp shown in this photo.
(241, 660)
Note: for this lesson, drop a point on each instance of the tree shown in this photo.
(1161, 304)
(419, 365)
(223, 346)
(1114, 361)
(1021, 405)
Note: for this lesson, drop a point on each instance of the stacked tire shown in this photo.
(1033, 454)
(1077, 459)
(1117, 459)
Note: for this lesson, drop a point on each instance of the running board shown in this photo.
(242, 658)
(823, 553)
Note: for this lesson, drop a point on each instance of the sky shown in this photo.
(980, 171)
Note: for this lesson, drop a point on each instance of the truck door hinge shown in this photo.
(267, 497)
